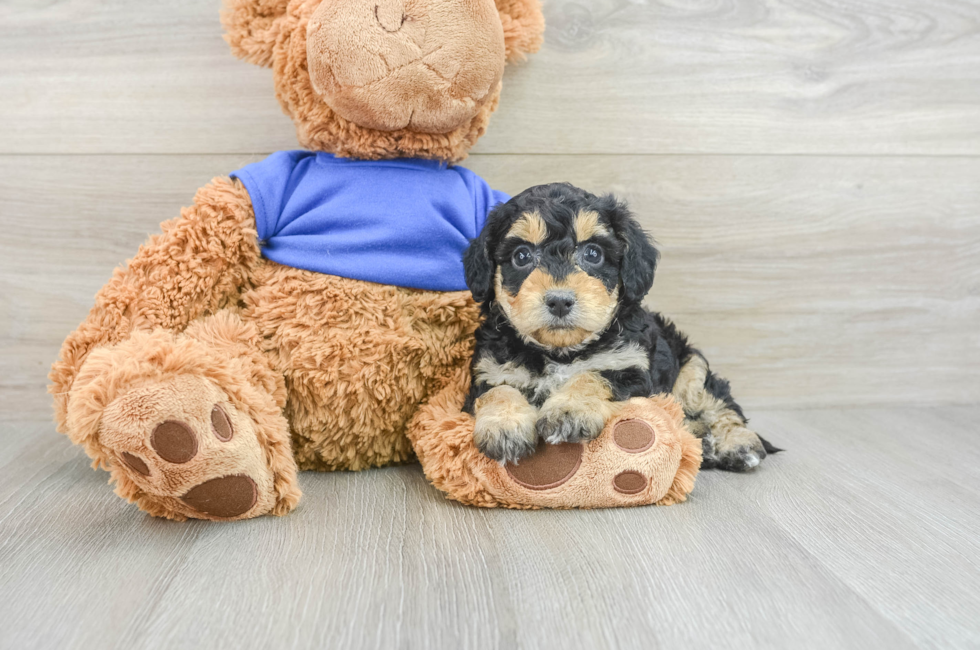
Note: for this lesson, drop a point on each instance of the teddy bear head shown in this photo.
(379, 79)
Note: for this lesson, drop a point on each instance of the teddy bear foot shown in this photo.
(643, 455)
(181, 449)
(628, 464)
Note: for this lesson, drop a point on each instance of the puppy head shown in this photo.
(559, 261)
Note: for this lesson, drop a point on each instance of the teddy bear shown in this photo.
(309, 312)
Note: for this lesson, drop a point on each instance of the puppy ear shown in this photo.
(523, 27)
(252, 27)
(479, 266)
(640, 257)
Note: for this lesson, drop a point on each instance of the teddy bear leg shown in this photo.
(643, 455)
(188, 425)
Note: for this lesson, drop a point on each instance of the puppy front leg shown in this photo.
(577, 412)
(504, 428)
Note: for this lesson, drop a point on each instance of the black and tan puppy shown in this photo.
(560, 275)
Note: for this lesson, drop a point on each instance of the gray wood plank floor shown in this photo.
(810, 170)
(865, 534)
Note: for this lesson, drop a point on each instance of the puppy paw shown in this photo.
(569, 425)
(504, 429)
(505, 445)
(709, 459)
(739, 450)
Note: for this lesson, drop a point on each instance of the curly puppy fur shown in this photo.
(560, 275)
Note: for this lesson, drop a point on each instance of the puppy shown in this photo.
(560, 275)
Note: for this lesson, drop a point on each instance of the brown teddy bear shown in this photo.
(309, 311)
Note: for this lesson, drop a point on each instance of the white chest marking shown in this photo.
(556, 374)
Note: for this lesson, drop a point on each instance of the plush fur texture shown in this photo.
(326, 371)
(391, 65)
(126, 390)
(443, 439)
(560, 274)
(274, 32)
(358, 358)
(205, 375)
(198, 264)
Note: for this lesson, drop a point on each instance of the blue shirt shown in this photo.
(404, 222)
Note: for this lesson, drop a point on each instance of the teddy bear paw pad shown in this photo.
(634, 436)
(630, 482)
(548, 467)
(174, 442)
(634, 461)
(224, 497)
(185, 448)
(135, 463)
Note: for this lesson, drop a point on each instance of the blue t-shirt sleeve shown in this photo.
(484, 197)
(499, 197)
(268, 183)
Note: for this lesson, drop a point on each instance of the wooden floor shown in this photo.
(865, 534)
(811, 171)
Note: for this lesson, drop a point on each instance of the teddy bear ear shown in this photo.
(523, 27)
(252, 27)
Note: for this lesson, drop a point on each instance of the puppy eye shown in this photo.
(592, 254)
(523, 257)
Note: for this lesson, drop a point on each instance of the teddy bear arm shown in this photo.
(198, 264)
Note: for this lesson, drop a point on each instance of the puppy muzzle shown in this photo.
(560, 307)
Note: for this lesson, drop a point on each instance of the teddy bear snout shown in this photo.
(390, 14)
(427, 66)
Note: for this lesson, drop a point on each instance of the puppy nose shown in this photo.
(559, 302)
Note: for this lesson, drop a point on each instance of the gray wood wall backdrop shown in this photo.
(811, 170)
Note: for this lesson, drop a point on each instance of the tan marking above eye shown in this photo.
(530, 227)
(587, 226)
